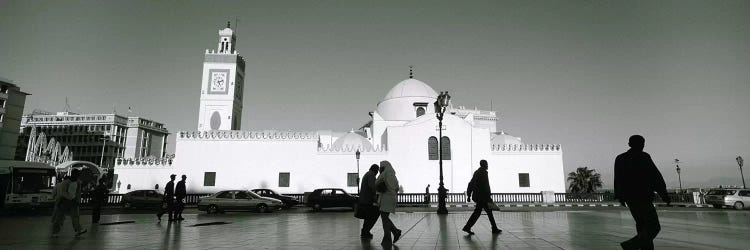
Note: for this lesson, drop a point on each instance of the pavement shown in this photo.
(523, 228)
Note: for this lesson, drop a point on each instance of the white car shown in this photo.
(238, 200)
(737, 198)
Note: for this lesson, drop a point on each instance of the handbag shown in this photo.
(492, 206)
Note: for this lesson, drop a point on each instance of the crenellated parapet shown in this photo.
(224, 135)
(526, 148)
(328, 149)
(145, 162)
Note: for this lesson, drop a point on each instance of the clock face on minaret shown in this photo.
(218, 81)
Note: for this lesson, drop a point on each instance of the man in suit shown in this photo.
(636, 180)
(180, 193)
(479, 190)
(367, 201)
(168, 199)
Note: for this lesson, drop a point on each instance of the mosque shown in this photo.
(402, 129)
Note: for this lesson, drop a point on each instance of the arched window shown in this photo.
(420, 111)
(445, 146)
(432, 148)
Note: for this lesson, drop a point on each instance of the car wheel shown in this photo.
(739, 205)
(262, 208)
(317, 207)
(213, 209)
(717, 206)
(127, 205)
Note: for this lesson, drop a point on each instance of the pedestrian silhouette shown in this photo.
(636, 180)
(479, 190)
(367, 208)
(67, 196)
(180, 193)
(99, 199)
(167, 205)
(427, 194)
(387, 187)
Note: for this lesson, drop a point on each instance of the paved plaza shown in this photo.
(682, 228)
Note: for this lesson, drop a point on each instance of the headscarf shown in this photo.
(388, 176)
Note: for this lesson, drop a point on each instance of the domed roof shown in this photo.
(354, 141)
(403, 100)
(411, 88)
(503, 139)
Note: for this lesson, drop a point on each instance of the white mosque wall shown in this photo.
(247, 163)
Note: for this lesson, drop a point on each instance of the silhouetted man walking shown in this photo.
(168, 199)
(367, 207)
(180, 193)
(636, 180)
(479, 190)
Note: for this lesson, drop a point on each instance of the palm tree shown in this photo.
(584, 180)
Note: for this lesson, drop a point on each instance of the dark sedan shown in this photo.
(287, 200)
(142, 199)
(330, 197)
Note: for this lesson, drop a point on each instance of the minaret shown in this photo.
(222, 85)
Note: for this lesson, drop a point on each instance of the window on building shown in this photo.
(4, 89)
(2, 103)
(523, 180)
(284, 179)
(432, 148)
(420, 111)
(351, 180)
(209, 179)
(445, 146)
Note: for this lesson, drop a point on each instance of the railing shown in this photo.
(407, 199)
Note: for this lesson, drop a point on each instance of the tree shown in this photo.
(584, 180)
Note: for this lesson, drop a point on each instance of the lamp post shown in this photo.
(677, 167)
(104, 139)
(741, 162)
(440, 105)
(356, 154)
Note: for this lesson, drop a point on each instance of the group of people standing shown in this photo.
(174, 199)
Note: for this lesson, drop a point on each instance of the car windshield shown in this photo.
(254, 195)
(722, 192)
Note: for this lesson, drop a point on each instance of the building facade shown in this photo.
(402, 129)
(88, 135)
(12, 101)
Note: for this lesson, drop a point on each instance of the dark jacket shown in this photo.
(100, 194)
(367, 192)
(637, 178)
(169, 190)
(479, 186)
(180, 191)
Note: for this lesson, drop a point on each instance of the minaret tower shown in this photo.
(222, 85)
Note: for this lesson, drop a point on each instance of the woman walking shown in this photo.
(387, 187)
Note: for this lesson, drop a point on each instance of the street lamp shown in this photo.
(356, 154)
(741, 162)
(104, 143)
(677, 167)
(440, 105)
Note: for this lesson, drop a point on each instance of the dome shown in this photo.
(411, 88)
(354, 141)
(503, 139)
(403, 100)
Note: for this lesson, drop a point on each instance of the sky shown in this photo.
(584, 74)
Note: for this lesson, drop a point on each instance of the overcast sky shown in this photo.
(582, 74)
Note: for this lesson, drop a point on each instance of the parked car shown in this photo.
(734, 197)
(287, 200)
(237, 200)
(142, 199)
(330, 197)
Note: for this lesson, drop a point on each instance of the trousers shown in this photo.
(63, 208)
(646, 224)
(477, 212)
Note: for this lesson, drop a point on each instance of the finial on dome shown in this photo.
(228, 24)
(411, 71)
